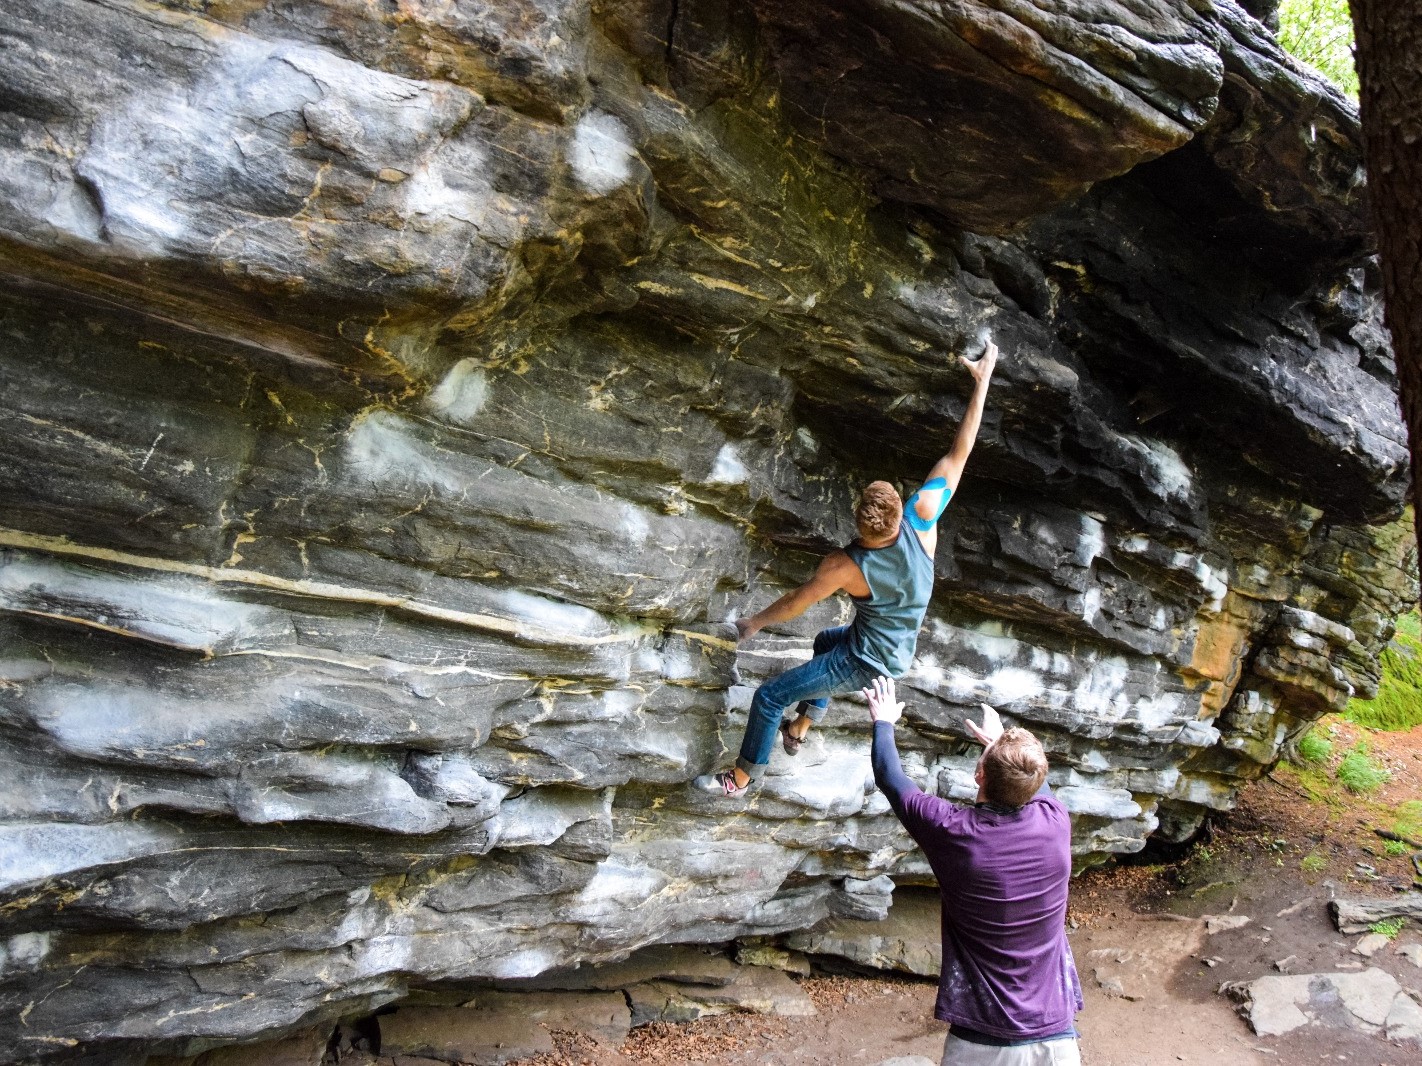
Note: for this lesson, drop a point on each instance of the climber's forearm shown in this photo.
(950, 467)
(791, 605)
(829, 578)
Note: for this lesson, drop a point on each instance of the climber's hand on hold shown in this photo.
(981, 367)
(745, 629)
(987, 733)
(883, 707)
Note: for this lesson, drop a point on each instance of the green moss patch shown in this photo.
(1398, 705)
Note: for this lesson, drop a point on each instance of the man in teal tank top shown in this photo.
(888, 574)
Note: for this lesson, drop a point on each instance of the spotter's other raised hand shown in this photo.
(883, 707)
(990, 730)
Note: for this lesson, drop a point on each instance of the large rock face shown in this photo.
(399, 396)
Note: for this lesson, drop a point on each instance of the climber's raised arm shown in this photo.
(925, 506)
(834, 572)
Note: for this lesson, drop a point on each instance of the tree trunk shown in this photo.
(1389, 55)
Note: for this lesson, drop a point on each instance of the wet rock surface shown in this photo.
(399, 398)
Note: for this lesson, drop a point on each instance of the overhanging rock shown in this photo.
(399, 398)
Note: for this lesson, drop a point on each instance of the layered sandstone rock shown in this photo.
(399, 397)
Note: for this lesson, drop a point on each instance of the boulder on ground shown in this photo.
(493, 1028)
(1370, 945)
(909, 940)
(1223, 923)
(306, 1048)
(1358, 915)
(1371, 1002)
(761, 951)
(758, 989)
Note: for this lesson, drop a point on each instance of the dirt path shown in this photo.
(1155, 1018)
(1151, 1000)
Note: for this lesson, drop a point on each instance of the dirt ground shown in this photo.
(1150, 971)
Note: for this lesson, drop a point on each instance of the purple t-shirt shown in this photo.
(1002, 875)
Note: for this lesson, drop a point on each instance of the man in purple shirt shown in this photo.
(1009, 988)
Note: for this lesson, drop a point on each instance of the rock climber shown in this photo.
(1009, 988)
(888, 573)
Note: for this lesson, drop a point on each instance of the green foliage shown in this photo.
(1313, 864)
(1360, 773)
(1410, 625)
(1388, 927)
(1395, 847)
(1398, 704)
(1409, 820)
(1320, 33)
(1313, 747)
(1316, 781)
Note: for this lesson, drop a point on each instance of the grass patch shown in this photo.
(1409, 820)
(1313, 747)
(1313, 864)
(1359, 772)
(1314, 780)
(1395, 848)
(1410, 625)
(1398, 704)
(1388, 927)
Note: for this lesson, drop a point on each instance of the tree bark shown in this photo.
(1389, 57)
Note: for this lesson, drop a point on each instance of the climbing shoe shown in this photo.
(791, 742)
(722, 785)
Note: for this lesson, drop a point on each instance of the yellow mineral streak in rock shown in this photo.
(1219, 652)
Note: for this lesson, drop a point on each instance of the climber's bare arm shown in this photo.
(925, 506)
(836, 572)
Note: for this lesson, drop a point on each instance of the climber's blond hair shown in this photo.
(879, 511)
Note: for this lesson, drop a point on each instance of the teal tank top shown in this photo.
(884, 632)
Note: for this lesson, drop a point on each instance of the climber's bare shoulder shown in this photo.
(844, 572)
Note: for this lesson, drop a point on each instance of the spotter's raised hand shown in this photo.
(883, 707)
(990, 730)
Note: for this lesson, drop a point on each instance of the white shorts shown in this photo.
(1062, 1051)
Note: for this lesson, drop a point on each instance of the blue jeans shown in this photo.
(832, 672)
